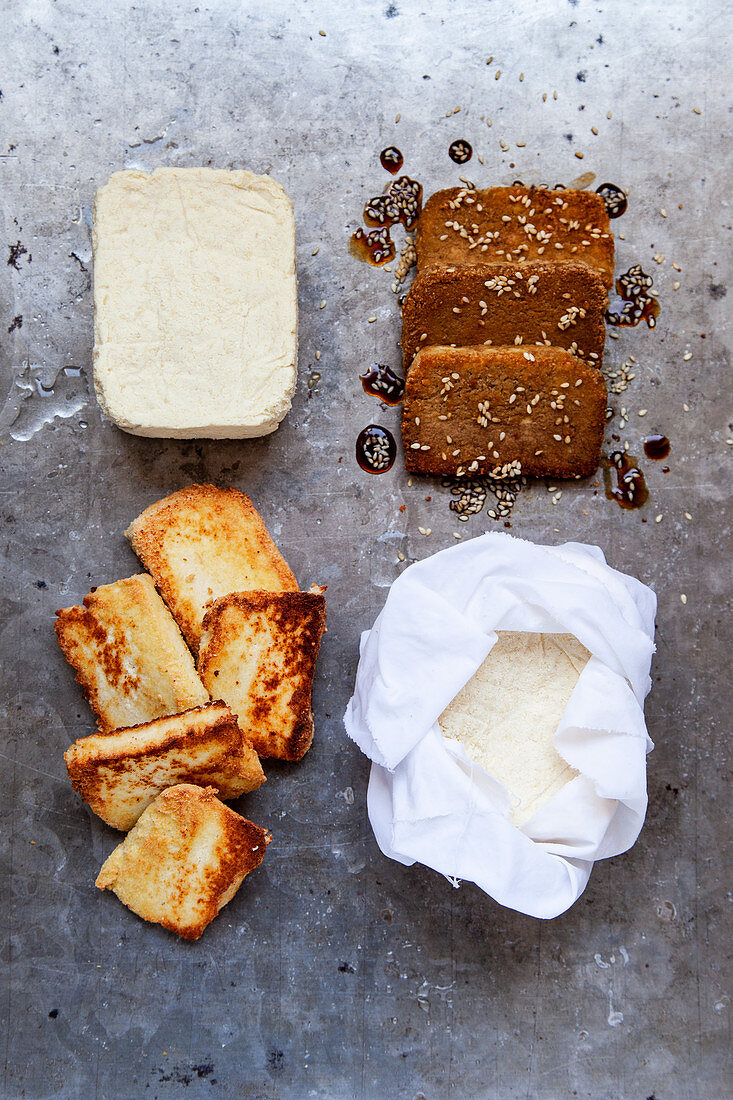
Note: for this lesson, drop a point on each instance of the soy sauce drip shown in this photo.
(657, 447)
(381, 382)
(614, 198)
(391, 159)
(376, 449)
(376, 247)
(635, 302)
(630, 491)
(401, 204)
(460, 152)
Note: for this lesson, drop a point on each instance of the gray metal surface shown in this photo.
(335, 973)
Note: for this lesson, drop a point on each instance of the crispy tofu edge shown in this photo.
(213, 648)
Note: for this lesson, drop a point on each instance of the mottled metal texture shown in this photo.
(335, 973)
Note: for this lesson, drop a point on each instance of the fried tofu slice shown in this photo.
(503, 411)
(463, 225)
(184, 859)
(128, 654)
(203, 542)
(258, 651)
(551, 304)
(119, 774)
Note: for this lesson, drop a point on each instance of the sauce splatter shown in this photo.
(391, 159)
(376, 449)
(657, 447)
(614, 199)
(635, 302)
(460, 152)
(375, 248)
(630, 490)
(381, 382)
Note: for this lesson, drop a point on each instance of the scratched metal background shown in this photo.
(336, 973)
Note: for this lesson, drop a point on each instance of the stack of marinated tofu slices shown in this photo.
(503, 333)
(194, 670)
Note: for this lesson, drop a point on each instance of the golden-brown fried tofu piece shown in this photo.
(184, 860)
(464, 225)
(119, 774)
(472, 411)
(258, 653)
(128, 654)
(203, 542)
(553, 304)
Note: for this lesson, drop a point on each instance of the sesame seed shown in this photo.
(687, 356)
(686, 408)
(643, 412)
(663, 212)
(683, 598)
(323, 304)
(579, 156)
(400, 555)
(315, 251)
(687, 515)
(372, 320)
(659, 518)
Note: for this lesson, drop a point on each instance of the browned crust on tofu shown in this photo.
(516, 395)
(184, 860)
(128, 653)
(461, 226)
(548, 304)
(237, 551)
(258, 651)
(120, 773)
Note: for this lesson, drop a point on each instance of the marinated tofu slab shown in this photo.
(464, 226)
(549, 304)
(503, 411)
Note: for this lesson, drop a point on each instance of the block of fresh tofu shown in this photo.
(195, 303)
(184, 859)
(465, 225)
(556, 304)
(258, 653)
(472, 411)
(120, 773)
(507, 715)
(201, 543)
(128, 654)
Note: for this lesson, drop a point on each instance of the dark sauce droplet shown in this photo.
(460, 152)
(401, 204)
(375, 248)
(657, 447)
(614, 199)
(381, 382)
(376, 449)
(630, 490)
(391, 159)
(635, 302)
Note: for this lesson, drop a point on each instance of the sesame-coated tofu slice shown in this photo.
(464, 225)
(184, 860)
(550, 304)
(203, 542)
(504, 412)
(258, 653)
(119, 774)
(128, 654)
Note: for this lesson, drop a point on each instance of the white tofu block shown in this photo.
(195, 303)
(507, 714)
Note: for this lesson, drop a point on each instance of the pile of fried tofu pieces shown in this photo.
(503, 333)
(195, 670)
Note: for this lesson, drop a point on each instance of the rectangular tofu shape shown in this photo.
(119, 774)
(201, 543)
(195, 303)
(462, 226)
(128, 654)
(258, 651)
(554, 304)
(184, 860)
(503, 411)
